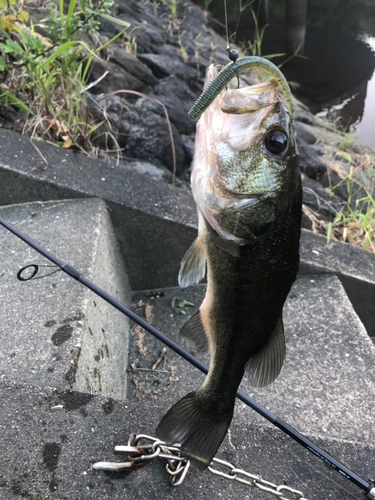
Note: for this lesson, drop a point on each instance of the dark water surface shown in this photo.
(334, 71)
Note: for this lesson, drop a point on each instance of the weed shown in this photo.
(241, 8)
(46, 77)
(130, 41)
(183, 52)
(355, 222)
(172, 6)
(348, 141)
(255, 46)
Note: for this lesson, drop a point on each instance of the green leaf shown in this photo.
(344, 155)
(11, 47)
(109, 41)
(8, 96)
(114, 20)
(60, 51)
(184, 303)
(3, 64)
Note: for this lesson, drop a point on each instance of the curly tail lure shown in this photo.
(233, 69)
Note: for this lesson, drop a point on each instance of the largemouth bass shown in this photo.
(247, 187)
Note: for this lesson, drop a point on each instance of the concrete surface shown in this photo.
(148, 215)
(71, 387)
(155, 222)
(47, 453)
(327, 384)
(53, 331)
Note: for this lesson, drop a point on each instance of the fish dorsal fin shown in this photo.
(263, 368)
(193, 265)
(194, 331)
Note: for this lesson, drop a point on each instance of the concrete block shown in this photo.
(55, 332)
(354, 267)
(327, 384)
(47, 452)
(150, 217)
(156, 222)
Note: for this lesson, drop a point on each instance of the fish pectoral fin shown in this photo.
(196, 428)
(193, 265)
(228, 246)
(194, 330)
(263, 368)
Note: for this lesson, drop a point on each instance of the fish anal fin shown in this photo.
(263, 368)
(199, 431)
(193, 265)
(194, 330)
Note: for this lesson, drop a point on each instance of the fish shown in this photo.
(246, 184)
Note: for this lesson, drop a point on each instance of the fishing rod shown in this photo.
(368, 489)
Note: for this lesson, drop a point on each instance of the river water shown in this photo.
(333, 69)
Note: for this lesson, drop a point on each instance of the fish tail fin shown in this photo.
(200, 431)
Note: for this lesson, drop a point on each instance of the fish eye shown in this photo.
(276, 141)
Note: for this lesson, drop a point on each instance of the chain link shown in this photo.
(143, 448)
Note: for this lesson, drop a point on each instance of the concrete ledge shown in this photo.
(155, 222)
(46, 453)
(53, 331)
(150, 217)
(327, 385)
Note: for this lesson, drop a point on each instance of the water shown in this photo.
(334, 71)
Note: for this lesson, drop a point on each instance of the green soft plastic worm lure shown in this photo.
(233, 69)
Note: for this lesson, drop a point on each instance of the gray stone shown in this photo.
(177, 97)
(139, 133)
(309, 161)
(145, 135)
(163, 66)
(316, 198)
(54, 332)
(132, 65)
(306, 133)
(188, 141)
(116, 79)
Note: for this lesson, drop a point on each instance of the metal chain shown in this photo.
(143, 448)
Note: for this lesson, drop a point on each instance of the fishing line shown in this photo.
(226, 22)
(368, 489)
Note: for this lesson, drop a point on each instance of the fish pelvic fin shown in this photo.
(198, 430)
(193, 265)
(194, 330)
(263, 368)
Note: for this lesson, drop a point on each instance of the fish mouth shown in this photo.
(243, 195)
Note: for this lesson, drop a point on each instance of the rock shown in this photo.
(316, 198)
(335, 179)
(132, 65)
(309, 161)
(163, 66)
(188, 142)
(304, 133)
(143, 134)
(116, 79)
(177, 97)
